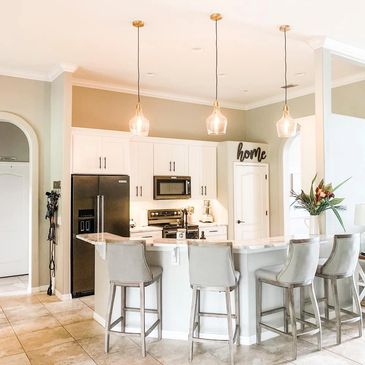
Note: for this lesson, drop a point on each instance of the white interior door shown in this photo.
(14, 218)
(251, 201)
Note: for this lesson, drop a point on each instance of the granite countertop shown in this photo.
(168, 243)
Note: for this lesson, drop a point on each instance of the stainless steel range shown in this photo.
(171, 220)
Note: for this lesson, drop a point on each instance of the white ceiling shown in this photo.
(97, 37)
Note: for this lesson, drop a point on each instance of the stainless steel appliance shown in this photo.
(99, 203)
(171, 187)
(206, 217)
(171, 220)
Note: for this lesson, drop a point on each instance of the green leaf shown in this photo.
(336, 201)
(339, 185)
(337, 214)
(311, 194)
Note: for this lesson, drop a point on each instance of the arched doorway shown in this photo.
(33, 222)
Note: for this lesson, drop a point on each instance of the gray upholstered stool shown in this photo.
(211, 268)
(128, 267)
(341, 264)
(298, 271)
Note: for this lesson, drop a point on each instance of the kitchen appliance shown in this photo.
(207, 217)
(171, 220)
(99, 203)
(171, 187)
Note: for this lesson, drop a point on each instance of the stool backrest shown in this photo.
(127, 262)
(211, 264)
(302, 261)
(344, 255)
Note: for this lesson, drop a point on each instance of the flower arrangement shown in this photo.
(320, 199)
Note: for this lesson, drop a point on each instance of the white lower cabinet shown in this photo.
(147, 234)
(214, 232)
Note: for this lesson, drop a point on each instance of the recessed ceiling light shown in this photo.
(245, 91)
(300, 74)
(197, 49)
(151, 74)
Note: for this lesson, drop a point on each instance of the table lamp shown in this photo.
(360, 218)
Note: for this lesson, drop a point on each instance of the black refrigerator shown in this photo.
(100, 203)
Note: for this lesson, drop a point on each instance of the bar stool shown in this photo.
(128, 268)
(298, 271)
(341, 264)
(211, 268)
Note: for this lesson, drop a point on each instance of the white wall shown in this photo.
(345, 157)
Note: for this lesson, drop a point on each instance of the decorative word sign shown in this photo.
(255, 153)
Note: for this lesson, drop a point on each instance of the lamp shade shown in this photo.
(360, 214)
(286, 126)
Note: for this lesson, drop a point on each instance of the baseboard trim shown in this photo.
(174, 335)
(63, 297)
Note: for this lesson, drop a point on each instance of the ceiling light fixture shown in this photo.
(286, 126)
(216, 122)
(139, 125)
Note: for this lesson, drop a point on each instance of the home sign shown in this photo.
(250, 152)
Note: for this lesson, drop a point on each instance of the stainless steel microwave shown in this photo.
(171, 187)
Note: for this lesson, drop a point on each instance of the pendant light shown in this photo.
(216, 122)
(139, 125)
(286, 126)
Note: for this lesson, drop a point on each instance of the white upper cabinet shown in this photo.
(170, 159)
(203, 171)
(141, 163)
(94, 153)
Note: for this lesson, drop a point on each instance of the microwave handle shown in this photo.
(187, 186)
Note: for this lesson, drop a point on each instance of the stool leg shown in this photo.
(326, 299)
(302, 306)
(313, 298)
(230, 330)
(258, 309)
(337, 309)
(109, 315)
(159, 306)
(285, 305)
(238, 313)
(197, 313)
(123, 293)
(293, 320)
(355, 295)
(192, 320)
(143, 322)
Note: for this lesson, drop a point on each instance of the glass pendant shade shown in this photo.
(286, 126)
(216, 122)
(139, 125)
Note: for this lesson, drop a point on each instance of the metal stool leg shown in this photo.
(258, 310)
(285, 305)
(159, 306)
(326, 299)
(143, 322)
(192, 320)
(197, 313)
(302, 306)
(230, 329)
(123, 299)
(356, 298)
(238, 313)
(337, 309)
(109, 315)
(293, 320)
(313, 298)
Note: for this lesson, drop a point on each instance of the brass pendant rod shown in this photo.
(285, 68)
(138, 71)
(216, 60)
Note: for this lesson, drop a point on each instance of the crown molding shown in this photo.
(152, 93)
(23, 74)
(60, 69)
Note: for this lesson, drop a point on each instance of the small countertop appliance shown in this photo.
(207, 217)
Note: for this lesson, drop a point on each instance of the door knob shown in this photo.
(239, 222)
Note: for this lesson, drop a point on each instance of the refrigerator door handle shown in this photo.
(102, 213)
(98, 213)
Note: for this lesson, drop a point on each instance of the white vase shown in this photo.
(312, 222)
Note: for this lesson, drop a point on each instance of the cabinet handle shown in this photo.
(239, 221)
(104, 162)
(140, 191)
(213, 231)
(136, 190)
(174, 166)
(170, 165)
(205, 188)
(146, 237)
(202, 190)
(100, 163)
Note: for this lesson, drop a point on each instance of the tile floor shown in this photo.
(13, 285)
(38, 329)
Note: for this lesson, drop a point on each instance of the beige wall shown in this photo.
(13, 143)
(94, 108)
(30, 100)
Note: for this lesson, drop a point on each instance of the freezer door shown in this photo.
(114, 193)
(84, 220)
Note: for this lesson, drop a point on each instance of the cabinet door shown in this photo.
(209, 172)
(180, 164)
(86, 154)
(195, 171)
(115, 155)
(141, 170)
(163, 159)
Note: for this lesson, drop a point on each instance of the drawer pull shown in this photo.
(214, 231)
(146, 237)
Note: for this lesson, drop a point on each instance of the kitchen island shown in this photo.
(172, 256)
